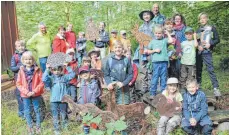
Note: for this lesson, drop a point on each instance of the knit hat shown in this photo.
(83, 68)
(189, 29)
(172, 80)
(146, 11)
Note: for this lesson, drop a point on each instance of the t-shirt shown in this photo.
(162, 45)
(188, 53)
(178, 96)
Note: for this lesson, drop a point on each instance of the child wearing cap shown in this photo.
(188, 58)
(89, 89)
(95, 61)
(126, 42)
(80, 47)
(58, 88)
(114, 38)
(195, 110)
(158, 50)
(209, 40)
(72, 87)
(172, 94)
(118, 69)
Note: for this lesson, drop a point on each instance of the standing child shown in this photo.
(188, 58)
(95, 61)
(167, 124)
(89, 89)
(80, 47)
(29, 83)
(118, 69)
(195, 110)
(86, 61)
(15, 66)
(207, 43)
(135, 75)
(73, 83)
(58, 89)
(158, 49)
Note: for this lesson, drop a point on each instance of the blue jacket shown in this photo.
(89, 93)
(81, 44)
(104, 36)
(147, 28)
(195, 106)
(118, 70)
(57, 84)
(16, 63)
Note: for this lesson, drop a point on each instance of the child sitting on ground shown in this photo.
(195, 110)
(58, 88)
(167, 124)
(89, 89)
(31, 87)
(15, 66)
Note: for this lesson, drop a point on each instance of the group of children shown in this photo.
(120, 74)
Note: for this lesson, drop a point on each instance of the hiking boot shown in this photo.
(151, 97)
(217, 92)
(38, 130)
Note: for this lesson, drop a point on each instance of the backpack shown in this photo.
(16, 57)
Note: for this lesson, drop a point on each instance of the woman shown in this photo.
(59, 42)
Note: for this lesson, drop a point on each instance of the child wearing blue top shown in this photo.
(58, 88)
(158, 49)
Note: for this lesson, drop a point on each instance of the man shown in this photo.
(158, 17)
(40, 45)
(114, 38)
(126, 42)
(70, 36)
(100, 43)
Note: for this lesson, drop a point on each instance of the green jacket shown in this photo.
(40, 44)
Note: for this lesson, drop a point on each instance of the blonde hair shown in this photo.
(203, 13)
(158, 28)
(27, 54)
(117, 43)
(86, 58)
(21, 42)
(191, 81)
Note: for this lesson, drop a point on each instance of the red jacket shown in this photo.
(135, 73)
(37, 83)
(74, 67)
(59, 45)
(71, 39)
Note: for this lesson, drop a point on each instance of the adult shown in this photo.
(40, 45)
(114, 38)
(126, 42)
(59, 43)
(100, 43)
(158, 17)
(179, 27)
(70, 36)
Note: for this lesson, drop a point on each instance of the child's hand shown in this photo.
(120, 85)
(130, 84)
(92, 76)
(200, 48)
(110, 86)
(146, 52)
(207, 45)
(178, 108)
(192, 121)
(157, 50)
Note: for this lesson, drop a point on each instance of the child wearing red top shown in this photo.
(135, 75)
(70, 36)
(59, 42)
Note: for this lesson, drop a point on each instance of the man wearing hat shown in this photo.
(126, 42)
(95, 61)
(113, 39)
(188, 58)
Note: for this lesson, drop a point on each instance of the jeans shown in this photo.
(43, 62)
(167, 125)
(59, 108)
(207, 59)
(206, 130)
(159, 71)
(20, 103)
(73, 92)
(28, 102)
(187, 72)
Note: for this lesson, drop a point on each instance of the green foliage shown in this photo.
(118, 125)
(88, 119)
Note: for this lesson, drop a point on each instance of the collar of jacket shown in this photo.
(113, 56)
(35, 68)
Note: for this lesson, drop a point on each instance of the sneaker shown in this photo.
(217, 92)
(38, 130)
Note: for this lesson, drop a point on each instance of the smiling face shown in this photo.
(158, 34)
(192, 88)
(20, 47)
(118, 49)
(114, 35)
(203, 19)
(172, 88)
(169, 26)
(155, 9)
(85, 75)
(70, 26)
(42, 29)
(28, 61)
(146, 17)
(94, 56)
(86, 63)
(188, 35)
(101, 26)
(178, 20)
(57, 71)
(62, 32)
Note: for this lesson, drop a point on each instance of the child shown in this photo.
(114, 38)
(206, 52)
(188, 58)
(95, 61)
(166, 124)
(59, 43)
(58, 89)
(173, 49)
(15, 65)
(73, 83)
(89, 89)
(195, 110)
(80, 47)
(135, 75)
(86, 61)
(158, 49)
(118, 69)
(29, 83)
